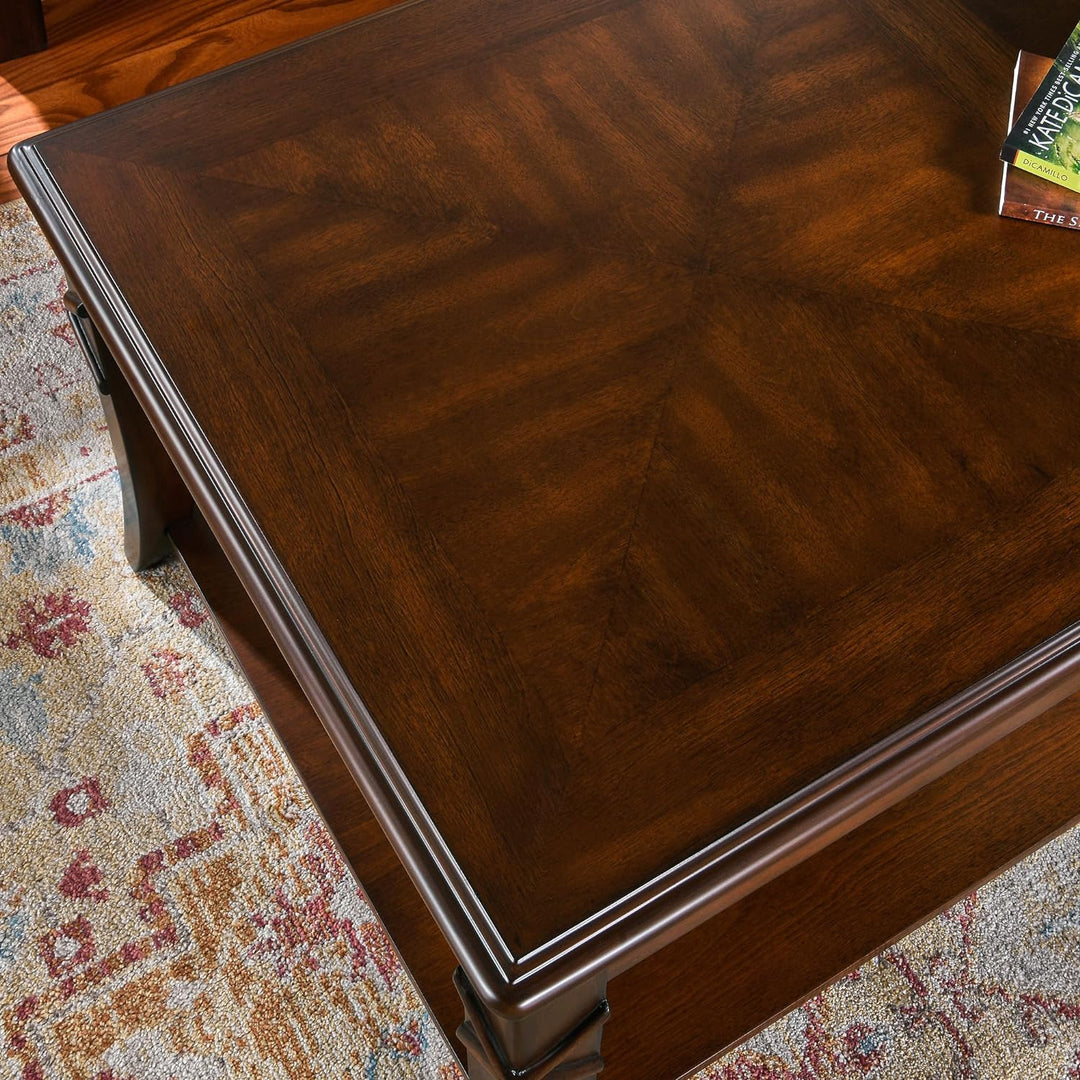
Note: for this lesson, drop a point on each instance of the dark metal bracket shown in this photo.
(86, 334)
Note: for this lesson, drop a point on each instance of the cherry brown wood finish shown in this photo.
(644, 498)
(102, 55)
(775, 948)
(818, 919)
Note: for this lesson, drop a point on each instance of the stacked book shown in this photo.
(1041, 180)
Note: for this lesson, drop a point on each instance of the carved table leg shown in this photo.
(153, 494)
(558, 1041)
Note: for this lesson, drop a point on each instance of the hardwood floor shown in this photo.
(101, 55)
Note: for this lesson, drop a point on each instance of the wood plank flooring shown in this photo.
(101, 55)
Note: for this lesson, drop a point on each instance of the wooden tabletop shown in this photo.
(642, 420)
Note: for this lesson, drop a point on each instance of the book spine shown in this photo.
(1043, 215)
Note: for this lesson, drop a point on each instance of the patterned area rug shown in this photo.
(171, 907)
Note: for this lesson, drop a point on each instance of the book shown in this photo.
(1024, 195)
(1045, 138)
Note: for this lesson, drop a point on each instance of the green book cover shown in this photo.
(1045, 140)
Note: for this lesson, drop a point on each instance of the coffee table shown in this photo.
(653, 458)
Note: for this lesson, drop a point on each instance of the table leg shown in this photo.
(153, 494)
(557, 1041)
(22, 28)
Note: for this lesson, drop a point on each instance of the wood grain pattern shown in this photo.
(887, 471)
(778, 946)
(101, 56)
(645, 499)
(809, 925)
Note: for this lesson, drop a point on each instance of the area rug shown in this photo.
(171, 907)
